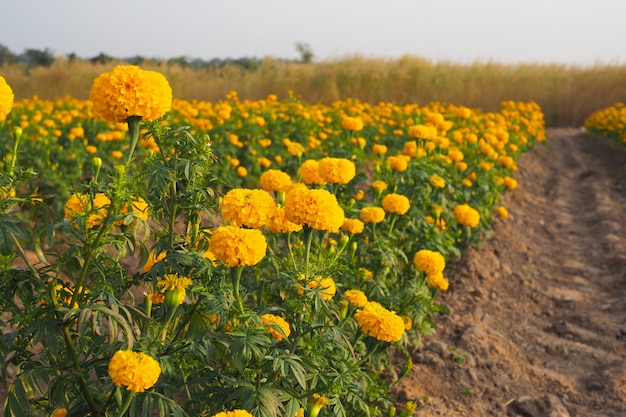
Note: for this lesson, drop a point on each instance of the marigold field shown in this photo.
(268, 258)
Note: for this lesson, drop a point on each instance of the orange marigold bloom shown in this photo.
(352, 123)
(279, 223)
(309, 171)
(372, 214)
(396, 203)
(436, 181)
(336, 170)
(249, 207)
(272, 321)
(327, 287)
(130, 91)
(353, 226)
(275, 180)
(438, 281)
(502, 212)
(378, 149)
(422, 131)
(429, 262)
(356, 297)
(317, 209)
(134, 370)
(379, 185)
(6, 98)
(236, 246)
(466, 215)
(83, 205)
(380, 323)
(398, 163)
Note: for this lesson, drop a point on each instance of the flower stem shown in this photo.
(235, 276)
(308, 238)
(126, 403)
(133, 130)
(82, 382)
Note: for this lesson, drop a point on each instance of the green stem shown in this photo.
(172, 220)
(25, 258)
(133, 130)
(308, 238)
(82, 382)
(235, 276)
(293, 260)
(126, 403)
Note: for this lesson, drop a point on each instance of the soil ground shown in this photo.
(537, 323)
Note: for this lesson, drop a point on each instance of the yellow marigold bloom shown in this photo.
(317, 209)
(410, 149)
(429, 262)
(175, 289)
(352, 226)
(7, 192)
(510, 183)
(466, 215)
(372, 214)
(436, 181)
(265, 162)
(279, 223)
(502, 212)
(456, 155)
(438, 281)
(139, 209)
(83, 204)
(422, 131)
(295, 149)
(249, 207)
(130, 91)
(134, 370)
(117, 154)
(309, 172)
(466, 182)
(379, 185)
(91, 149)
(336, 170)
(378, 149)
(152, 259)
(275, 180)
(236, 246)
(356, 297)
(358, 195)
(234, 413)
(6, 98)
(242, 171)
(315, 405)
(270, 320)
(396, 203)
(327, 287)
(354, 124)
(380, 323)
(398, 163)
(506, 161)
(408, 323)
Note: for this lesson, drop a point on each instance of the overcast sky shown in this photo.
(579, 32)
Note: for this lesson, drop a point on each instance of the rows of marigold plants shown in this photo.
(609, 122)
(264, 258)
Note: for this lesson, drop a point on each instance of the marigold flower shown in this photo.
(280, 224)
(327, 287)
(59, 412)
(269, 320)
(438, 281)
(309, 172)
(398, 163)
(356, 297)
(236, 246)
(234, 413)
(436, 181)
(502, 212)
(315, 405)
(379, 149)
(152, 259)
(336, 170)
(380, 323)
(354, 226)
(6, 98)
(422, 131)
(510, 183)
(372, 214)
(275, 180)
(175, 289)
(82, 205)
(242, 171)
(466, 215)
(249, 207)
(354, 124)
(396, 203)
(429, 262)
(317, 209)
(379, 186)
(130, 91)
(136, 371)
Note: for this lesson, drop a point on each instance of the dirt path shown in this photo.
(538, 312)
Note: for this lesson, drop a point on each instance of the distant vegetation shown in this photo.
(567, 94)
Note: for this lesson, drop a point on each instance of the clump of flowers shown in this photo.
(396, 203)
(248, 207)
(336, 170)
(466, 215)
(372, 214)
(136, 371)
(317, 209)
(236, 246)
(131, 91)
(271, 320)
(95, 208)
(6, 98)
(380, 323)
(275, 180)
(309, 172)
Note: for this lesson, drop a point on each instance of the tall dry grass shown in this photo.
(567, 94)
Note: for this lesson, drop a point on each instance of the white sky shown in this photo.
(580, 32)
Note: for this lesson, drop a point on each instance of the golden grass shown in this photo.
(566, 94)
